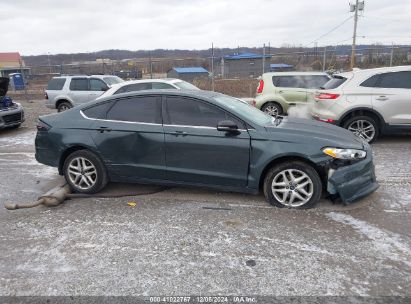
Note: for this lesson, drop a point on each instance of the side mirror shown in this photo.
(106, 88)
(227, 126)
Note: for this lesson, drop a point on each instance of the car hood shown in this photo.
(311, 132)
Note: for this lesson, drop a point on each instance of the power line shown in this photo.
(330, 31)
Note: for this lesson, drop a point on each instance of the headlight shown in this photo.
(345, 153)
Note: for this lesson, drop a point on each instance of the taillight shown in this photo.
(46, 96)
(42, 126)
(322, 96)
(260, 86)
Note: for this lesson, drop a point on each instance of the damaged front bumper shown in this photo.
(354, 181)
(11, 116)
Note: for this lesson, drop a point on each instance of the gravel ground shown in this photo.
(191, 241)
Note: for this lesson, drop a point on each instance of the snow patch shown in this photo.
(387, 243)
(26, 139)
(27, 161)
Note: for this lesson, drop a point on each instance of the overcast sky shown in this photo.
(65, 26)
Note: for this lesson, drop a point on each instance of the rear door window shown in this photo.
(288, 82)
(371, 82)
(97, 85)
(162, 85)
(79, 84)
(144, 109)
(98, 111)
(314, 81)
(334, 83)
(56, 84)
(395, 80)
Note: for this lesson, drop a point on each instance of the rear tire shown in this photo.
(364, 127)
(85, 172)
(272, 109)
(64, 106)
(293, 185)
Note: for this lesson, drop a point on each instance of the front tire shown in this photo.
(293, 185)
(64, 106)
(364, 127)
(272, 109)
(85, 172)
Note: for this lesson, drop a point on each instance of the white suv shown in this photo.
(367, 102)
(149, 84)
(65, 92)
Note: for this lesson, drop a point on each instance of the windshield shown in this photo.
(185, 85)
(244, 109)
(112, 80)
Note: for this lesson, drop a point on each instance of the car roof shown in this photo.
(375, 70)
(294, 73)
(208, 95)
(164, 80)
(84, 76)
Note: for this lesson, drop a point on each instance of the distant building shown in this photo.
(280, 67)
(12, 63)
(244, 65)
(188, 73)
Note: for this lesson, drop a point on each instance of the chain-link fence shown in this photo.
(330, 59)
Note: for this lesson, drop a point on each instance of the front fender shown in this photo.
(264, 152)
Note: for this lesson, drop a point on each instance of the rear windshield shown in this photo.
(56, 84)
(185, 85)
(334, 83)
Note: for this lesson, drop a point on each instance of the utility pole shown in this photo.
(392, 53)
(212, 66)
(263, 58)
(48, 59)
(358, 6)
(324, 57)
(151, 67)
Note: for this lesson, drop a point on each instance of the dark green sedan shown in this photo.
(204, 139)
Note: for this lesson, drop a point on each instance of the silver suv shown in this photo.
(65, 92)
(367, 102)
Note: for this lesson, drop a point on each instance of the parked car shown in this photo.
(65, 92)
(276, 92)
(367, 102)
(207, 139)
(149, 84)
(11, 113)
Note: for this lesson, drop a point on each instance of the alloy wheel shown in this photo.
(82, 173)
(271, 110)
(292, 187)
(363, 129)
(63, 108)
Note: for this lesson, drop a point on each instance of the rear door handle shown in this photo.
(177, 133)
(382, 98)
(103, 129)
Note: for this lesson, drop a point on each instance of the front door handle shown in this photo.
(177, 133)
(382, 98)
(103, 129)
